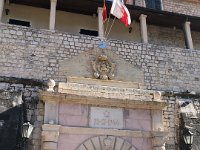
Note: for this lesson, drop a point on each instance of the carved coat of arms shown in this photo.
(103, 68)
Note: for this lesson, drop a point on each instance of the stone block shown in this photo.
(106, 117)
(142, 143)
(139, 114)
(49, 146)
(70, 109)
(144, 125)
(70, 120)
(50, 136)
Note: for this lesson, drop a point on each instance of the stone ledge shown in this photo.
(110, 83)
(101, 131)
(99, 101)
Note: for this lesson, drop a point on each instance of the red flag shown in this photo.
(104, 13)
(120, 11)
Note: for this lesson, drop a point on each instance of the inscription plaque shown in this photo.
(106, 118)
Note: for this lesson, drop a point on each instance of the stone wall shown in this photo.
(37, 54)
(73, 115)
(171, 121)
(182, 6)
(187, 7)
(32, 111)
(196, 39)
(167, 36)
(78, 116)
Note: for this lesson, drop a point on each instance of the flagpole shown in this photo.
(107, 23)
(110, 28)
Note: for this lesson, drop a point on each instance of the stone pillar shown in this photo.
(1, 9)
(157, 120)
(157, 115)
(51, 113)
(188, 35)
(50, 135)
(143, 28)
(159, 136)
(100, 22)
(52, 18)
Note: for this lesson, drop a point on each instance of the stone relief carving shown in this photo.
(103, 68)
(106, 143)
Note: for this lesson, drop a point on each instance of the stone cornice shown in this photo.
(105, 91)
(110, 93)
(99, 101)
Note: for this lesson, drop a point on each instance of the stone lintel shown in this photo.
(99, 101)
(101, 131)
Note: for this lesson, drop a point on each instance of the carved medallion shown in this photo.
(103, 68)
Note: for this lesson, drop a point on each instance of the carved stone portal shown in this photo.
(103, 68)
(105, 143)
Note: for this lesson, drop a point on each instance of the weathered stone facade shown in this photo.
(101, 107)
(38, 54)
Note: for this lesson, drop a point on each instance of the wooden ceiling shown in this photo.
(89, 7)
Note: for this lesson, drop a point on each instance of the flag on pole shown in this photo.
(120, 11)
(104, 13)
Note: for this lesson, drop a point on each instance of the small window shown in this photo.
(19, 22)
(88, 32)
(153, 4)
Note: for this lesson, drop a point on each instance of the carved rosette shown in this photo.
(103, 68)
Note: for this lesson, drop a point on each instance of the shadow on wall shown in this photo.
(12, 117)
(10, 128)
